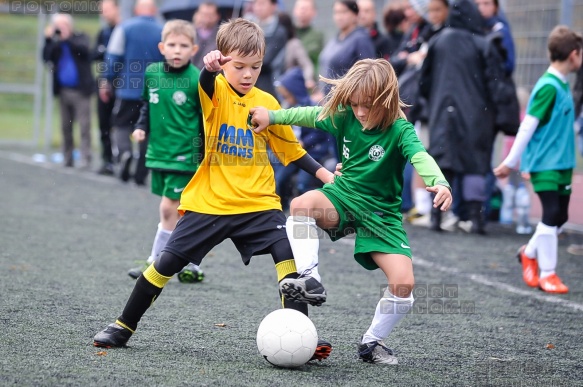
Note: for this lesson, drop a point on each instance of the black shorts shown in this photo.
(253, 234)
(125, 113)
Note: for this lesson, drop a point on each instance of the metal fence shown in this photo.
(531, 21)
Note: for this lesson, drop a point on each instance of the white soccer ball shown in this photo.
(287, 338)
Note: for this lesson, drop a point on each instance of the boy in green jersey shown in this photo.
(374, 139)
(171, 119)
(545, 147)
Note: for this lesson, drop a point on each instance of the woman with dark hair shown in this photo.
(495, 24)
(394, 22)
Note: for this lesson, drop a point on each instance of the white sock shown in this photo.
(546, 248)
(303, 238)
(422, 201)
(390, 310)
(160, 240)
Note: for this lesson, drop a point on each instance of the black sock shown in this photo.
(142, 297)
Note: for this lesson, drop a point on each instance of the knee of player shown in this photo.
(300, 206)
(403, 287)
(169, 209)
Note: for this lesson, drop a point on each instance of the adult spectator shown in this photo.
(489, 9)
(206, 22)
(304, 12)
(265, 14)
(460, 110)
(418, 32)
(68, 52)
(367, 16)
(133, 45)
(351, 44)
(111, 17)
(295, 54)
(395, 24)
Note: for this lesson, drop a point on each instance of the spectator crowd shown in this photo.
(444, 52)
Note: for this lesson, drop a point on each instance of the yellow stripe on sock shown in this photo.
(284, 268)
(124, 326)
(155, 278)
(282, 299)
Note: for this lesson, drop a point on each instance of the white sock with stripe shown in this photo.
(302, 233)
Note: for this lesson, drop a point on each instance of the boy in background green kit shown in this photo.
(171, 119)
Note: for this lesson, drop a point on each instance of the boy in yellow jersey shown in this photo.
(232, 195)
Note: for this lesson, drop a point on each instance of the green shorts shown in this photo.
(552, 181)
(374, 233)
(169, 184)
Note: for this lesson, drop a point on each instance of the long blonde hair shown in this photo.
(367, 78)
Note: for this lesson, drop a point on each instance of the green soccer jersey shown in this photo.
(372, 160)
(174, 141)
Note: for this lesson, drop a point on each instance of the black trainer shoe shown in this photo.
(190, 274)
(322, 350)
(303, 289)
(376, 352)
(113, 336)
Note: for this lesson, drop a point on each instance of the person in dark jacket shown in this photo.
(460, 110)
(132, 47)
(68, 53)
(367, 17)
(110, 15)
(265, 14)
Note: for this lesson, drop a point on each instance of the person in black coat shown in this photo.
(110, 14)
(68, 53)
(460, 110)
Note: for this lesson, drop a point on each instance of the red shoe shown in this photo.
(322, 350)
(529, 268)
(552, 284)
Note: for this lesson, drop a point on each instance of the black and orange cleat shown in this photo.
(323, 350)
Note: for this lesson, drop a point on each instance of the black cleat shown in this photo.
(304, 289)
(322, 350)
(113, 336)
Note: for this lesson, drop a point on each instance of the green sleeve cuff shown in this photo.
(271, 114)
(428, 169)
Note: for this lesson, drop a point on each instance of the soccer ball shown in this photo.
(287, 338)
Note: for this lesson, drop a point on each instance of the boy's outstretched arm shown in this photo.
(525, 132)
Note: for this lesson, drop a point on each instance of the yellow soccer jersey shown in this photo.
(235, 176)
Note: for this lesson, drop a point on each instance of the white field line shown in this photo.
(495, 284)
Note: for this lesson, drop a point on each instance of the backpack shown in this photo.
(501, 87)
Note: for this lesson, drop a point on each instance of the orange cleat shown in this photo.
(529, 268)
(552, 284)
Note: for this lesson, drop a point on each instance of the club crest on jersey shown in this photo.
(179, 97)
(376, 152)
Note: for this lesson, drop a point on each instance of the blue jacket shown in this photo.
(132, 47)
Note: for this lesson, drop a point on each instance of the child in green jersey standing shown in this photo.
(171, 119)
(546, 142)
(364, 113)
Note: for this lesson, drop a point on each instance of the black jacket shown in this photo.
(455, 82)
(79, 44)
